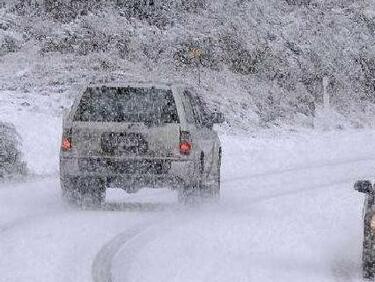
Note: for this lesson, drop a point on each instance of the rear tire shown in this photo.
(368, 258)
(83, 192)
(368, 272)
(212, 191)
(200, 190)
(189, 194)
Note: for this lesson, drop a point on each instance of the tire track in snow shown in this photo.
(133, 239)
(101, 269)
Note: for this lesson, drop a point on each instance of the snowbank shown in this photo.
(11, 163)
(38, 128)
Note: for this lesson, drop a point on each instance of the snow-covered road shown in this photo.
(288, 213)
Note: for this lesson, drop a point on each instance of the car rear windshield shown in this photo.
(127, 104)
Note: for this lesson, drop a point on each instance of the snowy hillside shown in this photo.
(262, 62)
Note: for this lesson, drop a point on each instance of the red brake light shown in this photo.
(185, 143)
(66, 144)
(185, 148)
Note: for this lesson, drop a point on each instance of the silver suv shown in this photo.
(139, 135)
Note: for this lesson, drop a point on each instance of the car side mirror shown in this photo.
(364, 186)
(217, 117)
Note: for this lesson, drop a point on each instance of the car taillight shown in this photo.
(185, 143)
(185, 148)
(66, 144)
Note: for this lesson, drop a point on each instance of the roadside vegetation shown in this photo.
(262, 62)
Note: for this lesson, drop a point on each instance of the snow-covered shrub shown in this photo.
(155, 12)
(8, 43)
(82, 43)
(67, 10)
(218, 51)
(198, 52)
(10, 40)
(298, 2)
(87, 36)
(158, 12)
(11, 163)
(367, 64)
(193, 5)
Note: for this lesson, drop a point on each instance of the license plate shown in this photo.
(114, 143)
(128, 142)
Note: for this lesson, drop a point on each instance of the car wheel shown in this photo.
(190, 193)
(212, 189)
(201, 190)
(368, 258)
(368, 272)
(69, 190)
(84, 192)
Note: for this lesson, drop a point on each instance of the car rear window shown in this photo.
(127, 104)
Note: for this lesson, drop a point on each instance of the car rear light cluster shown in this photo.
(185, 143)
(66, 143)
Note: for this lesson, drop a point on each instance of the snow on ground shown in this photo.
(288, 213)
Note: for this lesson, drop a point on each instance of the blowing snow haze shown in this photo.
(256, 115)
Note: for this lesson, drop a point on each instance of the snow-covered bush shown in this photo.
(8, 43)
(298, 2)
(11, 163)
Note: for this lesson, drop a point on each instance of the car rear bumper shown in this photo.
(151, 172)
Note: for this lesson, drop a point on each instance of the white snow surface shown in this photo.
(288, 213)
